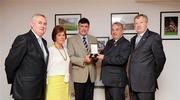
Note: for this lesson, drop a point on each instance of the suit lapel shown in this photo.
(133, 41)
(79, 42)
(37, 44)
(113, 46)
(89, 43)
(109, 47)
(45, 45)
(143, 39)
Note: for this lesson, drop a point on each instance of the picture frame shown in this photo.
(129, 36)
(69, 35)
(102, 43)
(170, 25)
(127, 19)
(69, 21)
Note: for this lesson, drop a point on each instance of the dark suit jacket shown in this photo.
(25, 67)
(146, 62)
(114, 63)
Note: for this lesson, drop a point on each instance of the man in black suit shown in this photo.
(146, 62)
(114, 60)
(26, 62)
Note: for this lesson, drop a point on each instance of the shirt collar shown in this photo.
(141, 34)
(83, 36)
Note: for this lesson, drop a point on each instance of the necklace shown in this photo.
(64, 56)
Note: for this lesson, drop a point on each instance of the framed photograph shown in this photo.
(127, 19)
(69, 35)
(69, 21)
(102, 43)
(129, 36)
(170, 25)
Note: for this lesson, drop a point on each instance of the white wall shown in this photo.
(15, 16)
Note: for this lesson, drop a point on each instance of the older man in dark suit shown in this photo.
(114, 60)
(26, 63)
(146, 62)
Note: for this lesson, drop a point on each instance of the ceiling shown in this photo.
(157, 0)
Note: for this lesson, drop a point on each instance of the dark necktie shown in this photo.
(85, 43)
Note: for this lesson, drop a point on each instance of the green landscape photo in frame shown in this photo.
(69, 21)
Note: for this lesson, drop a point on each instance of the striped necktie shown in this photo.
(85, 42)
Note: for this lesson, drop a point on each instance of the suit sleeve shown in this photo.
(158, 54)
(79, 61)
(121, 58)
(15, 58)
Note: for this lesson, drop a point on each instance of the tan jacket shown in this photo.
(77, 52)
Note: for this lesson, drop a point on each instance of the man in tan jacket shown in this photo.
(83, 67)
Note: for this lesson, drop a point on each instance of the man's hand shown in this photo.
(87, 59)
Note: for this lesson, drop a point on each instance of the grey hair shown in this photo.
(141, 15)
(38, 14)
(118, 24)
